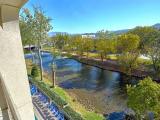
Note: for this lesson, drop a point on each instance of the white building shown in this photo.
(89, 36)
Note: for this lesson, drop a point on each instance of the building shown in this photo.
(89, 36)
(29, 47)
(15, 98)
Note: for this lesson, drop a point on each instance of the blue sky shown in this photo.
(81, 16)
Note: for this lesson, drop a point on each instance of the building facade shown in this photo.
(89, 36)
(15, 98)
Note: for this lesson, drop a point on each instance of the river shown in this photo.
(100, 90)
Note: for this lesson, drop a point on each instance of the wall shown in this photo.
(12, 63)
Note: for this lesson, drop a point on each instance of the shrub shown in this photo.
(144, 98)
(35, 71)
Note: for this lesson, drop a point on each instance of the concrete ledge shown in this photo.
(14, 3)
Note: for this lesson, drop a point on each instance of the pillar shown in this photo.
(12, 63)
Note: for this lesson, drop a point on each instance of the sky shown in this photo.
(86, 16)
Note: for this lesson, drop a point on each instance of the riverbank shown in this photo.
(111, 64)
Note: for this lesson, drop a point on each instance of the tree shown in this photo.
(105, 47)
(127, 49)
(144, 97)
(127, 43)
(102, 34)
(41, 28)
(149, 44)
(153, 51)
(60, 41)
(26, 25)
(78, 44)
(34, 71)
(101, 48)
(129, 61)
(53, 41)
(34, 29)
(88, 45)
(146, 35)
(110, 47)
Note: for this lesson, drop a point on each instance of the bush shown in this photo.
(35, 71)
(144, 98)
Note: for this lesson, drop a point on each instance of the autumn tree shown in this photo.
(78, 44)
(61, 40)
(110, 47)
(105, 47)
(146, 35)
(88, 45)
(153, 52)
(127, 51)
(101, 48)
(149, 44)
(67, 42)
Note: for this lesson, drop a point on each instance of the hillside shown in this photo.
(157, 26)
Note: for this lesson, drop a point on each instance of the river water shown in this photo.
(100, 90)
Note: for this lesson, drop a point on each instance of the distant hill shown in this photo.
(157, 26)
(88, 33)
(121, 31)
(51, 34)
(118, 32)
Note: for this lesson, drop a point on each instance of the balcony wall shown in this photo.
(14, 83)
